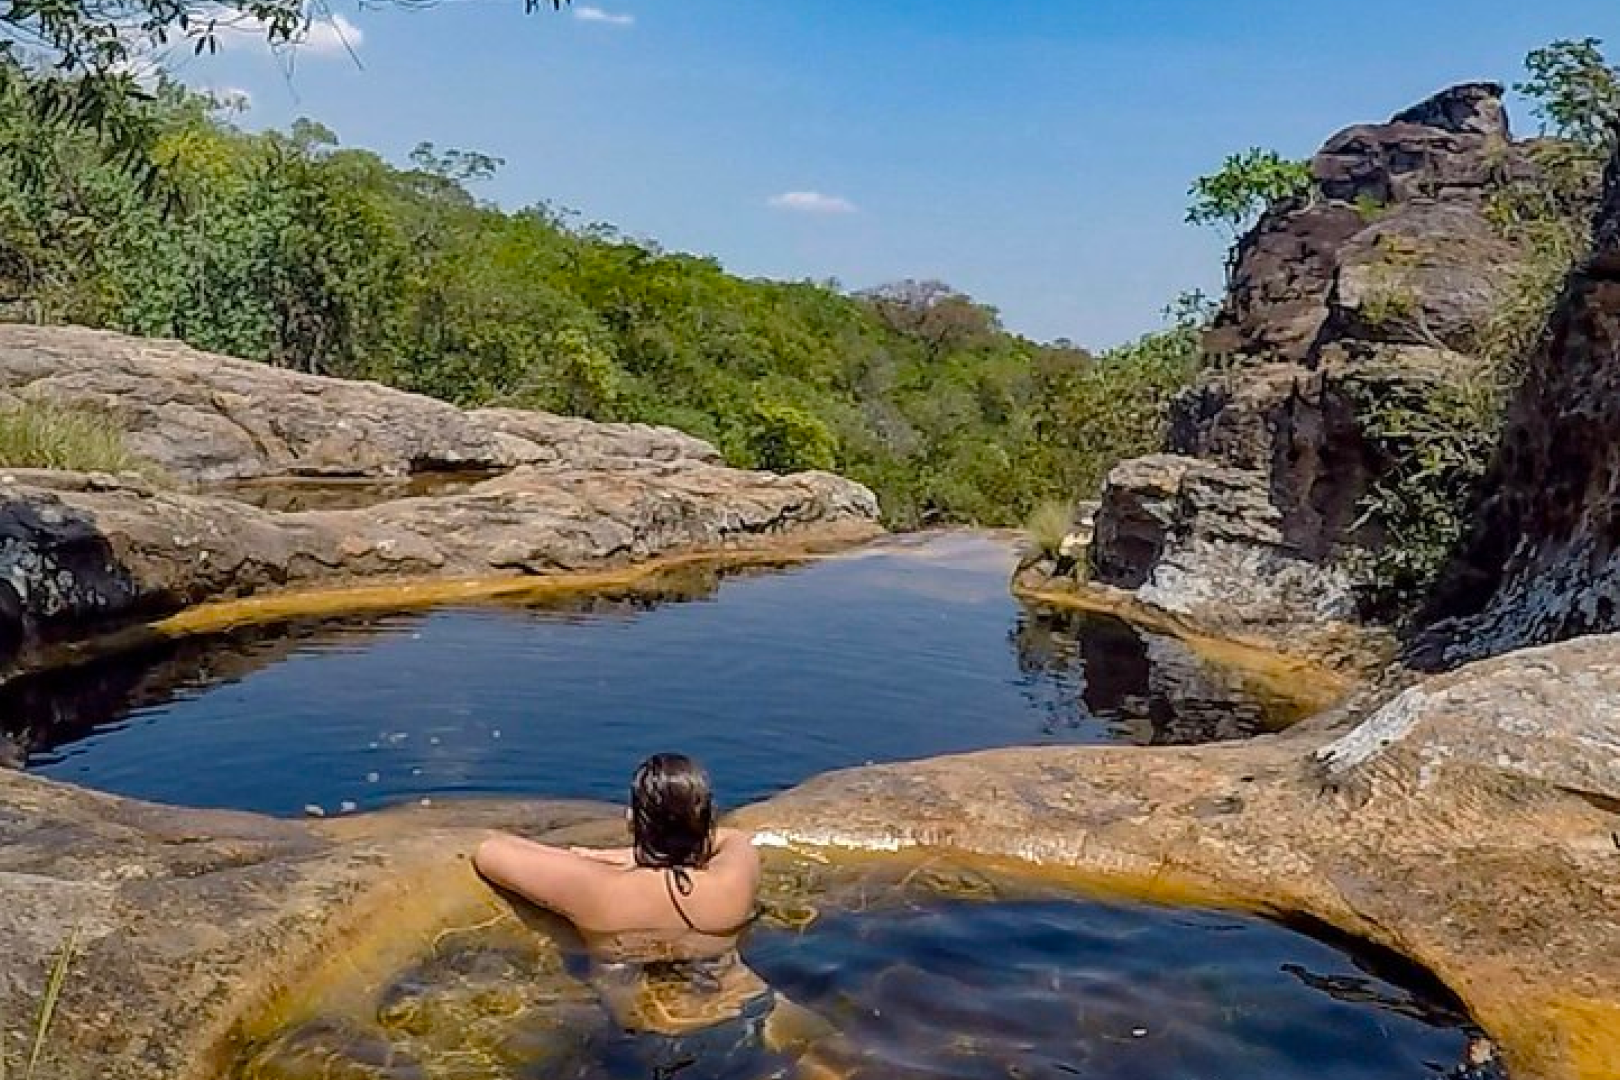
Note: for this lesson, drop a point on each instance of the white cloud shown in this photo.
(322, 35)
(811, 202)
(590, 13)
(333, 35)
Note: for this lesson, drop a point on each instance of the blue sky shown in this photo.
(1035, 153)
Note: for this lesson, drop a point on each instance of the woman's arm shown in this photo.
(554, 878)
(620, 856)
(735, 854)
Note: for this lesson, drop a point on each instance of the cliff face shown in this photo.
(1380, 283)
(1543, 561)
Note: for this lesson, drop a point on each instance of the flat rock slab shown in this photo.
(76, 550)
(206, 417)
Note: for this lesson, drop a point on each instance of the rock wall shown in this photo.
(1543, 561)
(1382, 278)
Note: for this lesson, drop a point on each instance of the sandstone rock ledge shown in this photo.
(1470, 823)
(206, 418)
(77, 551)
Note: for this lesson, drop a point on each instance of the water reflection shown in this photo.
(1147, 688)
(906, 649)
(293, 495)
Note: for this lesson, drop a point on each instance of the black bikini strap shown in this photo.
(677, 879)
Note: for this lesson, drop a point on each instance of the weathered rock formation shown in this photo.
(204, 417)
(1468, 823)
(76, 551)
(1383, 278)
(1165, 519)
(1543, 562)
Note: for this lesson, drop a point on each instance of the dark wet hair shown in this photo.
(671, 813)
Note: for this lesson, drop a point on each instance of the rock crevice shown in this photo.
(1543, 560)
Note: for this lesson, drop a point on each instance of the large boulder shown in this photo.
(205, 417)
(1425, 274)
(1206, 540)
(1282, 273)
(1379, 284)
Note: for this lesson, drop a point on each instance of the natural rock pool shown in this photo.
(907, 649)
(917, 971)
(906, 967)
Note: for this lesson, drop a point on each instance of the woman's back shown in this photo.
(682, 878)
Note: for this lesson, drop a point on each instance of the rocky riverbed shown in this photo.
(1469, 821)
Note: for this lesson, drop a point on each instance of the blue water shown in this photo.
(909, 649)
(918, 987)
(1063, 988)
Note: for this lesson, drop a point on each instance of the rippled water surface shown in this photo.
(932, 989)
(908, 649)
(1108, 992)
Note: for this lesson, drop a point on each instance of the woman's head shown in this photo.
(671, 812)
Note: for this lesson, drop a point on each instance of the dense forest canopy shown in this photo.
(287, 247)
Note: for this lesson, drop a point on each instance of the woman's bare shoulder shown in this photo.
(734, 853)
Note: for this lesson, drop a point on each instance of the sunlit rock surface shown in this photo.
(545, 493)
(206, 417)
(1543, 562)
(1376, 286)
(76, 550)
(1205, 540)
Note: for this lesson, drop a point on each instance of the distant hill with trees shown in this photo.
(289, 248)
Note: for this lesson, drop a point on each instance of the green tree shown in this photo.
(84, 55)
(1245, 186)
(1575, 91)
(287, 247)
(785, 438)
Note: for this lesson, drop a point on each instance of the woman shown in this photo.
(682, 883)
(661, 919)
